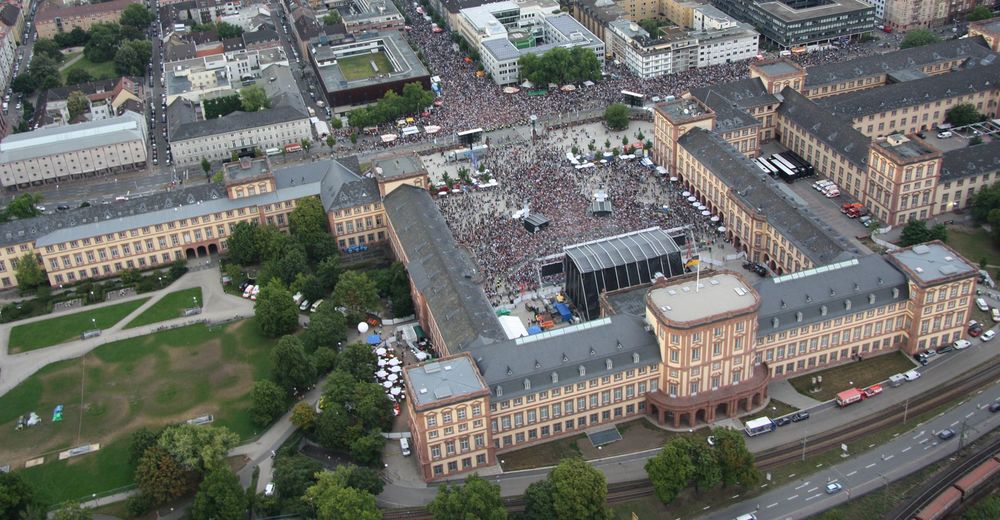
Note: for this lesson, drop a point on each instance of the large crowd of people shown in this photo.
(537, 174)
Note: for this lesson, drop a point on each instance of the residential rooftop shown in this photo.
(931, 262)
(46, 141)
(979, 159)
(833, 131)
(283, 109)
(691, 300)
(49, 11)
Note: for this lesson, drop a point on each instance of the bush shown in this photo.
(138, 505)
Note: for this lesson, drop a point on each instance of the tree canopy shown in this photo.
(918, 38)
(291, 368)
(103, 43)
(276, 313)
(29, 273)
(78, 75)
(333, 500)
(963, 114)
(16, 496)
(616, 116)
(561, 66)
(392, 106)
(268, 402)
(917, 232)
(670, 471)
(579, 491)
(477, 498)
(44, 72)
(132, 57)
(254, 98)
(308, 217)
(356, 292)
(161, 477)
(980, 12)
(198, 448)
(47, 47)
(76, 104)
(137, 17)
(220, 497)
(332, 17)
(327, 329)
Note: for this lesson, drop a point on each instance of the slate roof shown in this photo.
(442, 271)
(745, 93)
(49, 12)
(562, 352)
(259, 36)
(817, 241)
(806, 297)
(727, 116)
(280, 112)
(972, 79)
(971, 161)
(180, 50)
(233, 44)
(9, 14)
(914, 58)
(833, 131)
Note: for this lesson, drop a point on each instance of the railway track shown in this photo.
(943, 481)
(775, 457)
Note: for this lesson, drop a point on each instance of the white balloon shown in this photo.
(362, 327)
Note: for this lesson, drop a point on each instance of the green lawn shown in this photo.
(975, 245)
(152, 380)
(53, 331)
(168, 308)
(854, 374)
(99, 71)
(359, 67)
(775, 408)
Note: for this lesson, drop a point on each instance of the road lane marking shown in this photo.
(735, 496)
(953, 424)
(811, 490)
(872, 465)
(887, 457)
(851, 474)
(923, 441)
(793, 497)
(814, 496)
(802, 486)
(771, 505)
(970, 414)
(906, 449)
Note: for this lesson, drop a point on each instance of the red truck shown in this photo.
(853, 210)
(848, 397)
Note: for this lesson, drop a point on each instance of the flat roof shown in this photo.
(398, 166)
(400, 53)
(716, 294)
(833, 7)
(905, 148)
(442, 379)
(931, 262)
(778, 67)
(47, 141)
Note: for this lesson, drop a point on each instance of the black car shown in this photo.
(946, 434)
(781, 421)
(995, 406)
(800, 416)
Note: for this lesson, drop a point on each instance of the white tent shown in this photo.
(513, 327)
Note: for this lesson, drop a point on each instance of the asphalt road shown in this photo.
(874, 469)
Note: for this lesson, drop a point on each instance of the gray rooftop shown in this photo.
(778, 68)
(728, 116)
(972, 79)
(443, 379)
(566, 25)
(621, 250)
(441, 271)
(47, 141)
(282, 110)
(817, 241)
(970, 161)
(931, 262)
(833, 131)
(717, 293)
(814, 295)
(788, 14)
(556, 357)
(398, 166)
(745, 93)
(292, 183)
(335, 182)
(914, 58)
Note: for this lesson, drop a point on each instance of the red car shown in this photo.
(975, 330)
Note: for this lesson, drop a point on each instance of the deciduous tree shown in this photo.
(303, 415)
(254, 98)
(670, 471)
(308, 217)
(160, 476)
(580, 491)
(356, 293)
(964, 114)
(220, 497)
(735, 460)
(918, 38)
(538, 501)
(71, 511)
(103, 42)
(293, 474)
(132, 57)
(198, 448)
(29, 273)
(477, 498)
(137, 17)
(15, 495)
(358, 361)
(76, 104)
(291, 368)
(333, 501)
(327, 329)
(78, 75)
(275, 311)
(269, 402)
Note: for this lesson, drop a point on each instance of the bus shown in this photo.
(798, 161)
(767, 166)
(787, 174)
(761, 166)
(759, 426)
(292, 148)
(273, 151)
(779, 160)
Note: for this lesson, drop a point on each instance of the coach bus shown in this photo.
(787, 174)
(766, 166)
(759, 426)
(799, 162)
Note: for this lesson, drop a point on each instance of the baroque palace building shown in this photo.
(685, 351)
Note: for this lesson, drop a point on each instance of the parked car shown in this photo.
(304, 305)
(911, 375)
(995, 314)
(269, 489)
(988, 335)
(297, 297)
(962, 344)
(316, 305)
(995, 406)
(800, 416)
(782, 421)
(946, 434)
(833, 488)
(944, 135)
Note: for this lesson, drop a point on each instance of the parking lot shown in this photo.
(826, 209)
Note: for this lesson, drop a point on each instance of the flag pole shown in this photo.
(697, 279)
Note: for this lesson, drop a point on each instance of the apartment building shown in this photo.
(52, 19)
(106, 99)
(500, 55)
(8, 53)
(790, 24)
(87, 149)
(904, 15)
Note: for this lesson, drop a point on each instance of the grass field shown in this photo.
(168, 308)
(153, 380)
(99, 71)
(53, 331)
(975, 245)
(853, 374)
(359, 67)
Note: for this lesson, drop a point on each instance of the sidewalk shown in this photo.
(15, 368)
(784, 392)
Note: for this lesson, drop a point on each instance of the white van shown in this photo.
(404, 444)
(981, 303)
(315, 305)
(748, 516)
